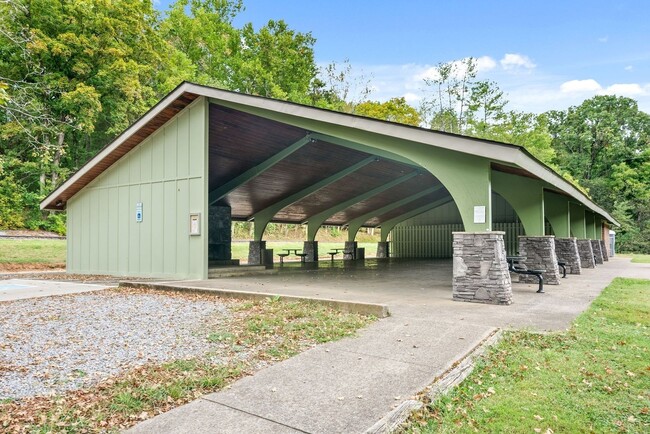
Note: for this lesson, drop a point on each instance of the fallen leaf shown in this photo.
(538, 417)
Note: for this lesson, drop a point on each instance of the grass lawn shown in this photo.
(641, 259)
(32, 251)
(593, 378)
(264, 331)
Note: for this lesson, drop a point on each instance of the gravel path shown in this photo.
(54, 344)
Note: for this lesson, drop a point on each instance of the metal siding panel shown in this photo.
(170, 227)
(145, 230)
(122, 172)
(145, 160)
(123, 230)
(134, 166)
(84, 238)
(170, 152)
(103, 228)
(197, 261)
(93, 231)
(182, 237)
(197, 141)
(157, 156)
(113, 244)
(157, 229)
(183, 152)
(134, 231)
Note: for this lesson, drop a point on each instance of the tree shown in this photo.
(394, 110)
(605, 144)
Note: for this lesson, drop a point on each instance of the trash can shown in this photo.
(361, 253)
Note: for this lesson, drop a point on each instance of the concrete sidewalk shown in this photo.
(347, 386)
(19, 289)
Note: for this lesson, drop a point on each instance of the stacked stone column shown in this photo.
(350, 246)
(603, 249)
(566, 250)
(540, 255)
(383, 249)
(586, 254)
(256, 252)
(598, 254)
(480, 268)
(310, 248)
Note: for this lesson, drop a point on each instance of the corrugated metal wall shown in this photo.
(435, 241)
(166, 174)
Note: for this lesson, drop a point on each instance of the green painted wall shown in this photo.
(166, 174)
(526, 196)
(577, 217)
(556, 209)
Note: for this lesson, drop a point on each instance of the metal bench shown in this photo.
(516, 265)
(282, 255)
(562, 265)
(302, 256)
(332, 254)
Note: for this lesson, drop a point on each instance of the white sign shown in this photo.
(138, 212)
(195, 224)
(479, 214)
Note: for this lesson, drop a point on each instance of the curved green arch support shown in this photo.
(556, 210)
(526, 196)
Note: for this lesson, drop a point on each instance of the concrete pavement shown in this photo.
(346, 386)
(18, 289)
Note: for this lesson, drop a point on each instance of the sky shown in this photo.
(543, 54)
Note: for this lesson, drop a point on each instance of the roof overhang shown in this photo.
(187, 92)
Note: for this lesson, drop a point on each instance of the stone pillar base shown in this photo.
(566, 250)
(598, 254)
(350, 246)
(383, 249)
(310, 248)
(480, 268)
(603, 249)
(256, 252)
(586, 254)
(540, 255)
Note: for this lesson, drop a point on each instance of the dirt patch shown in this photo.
(29, 234)
(35, 266)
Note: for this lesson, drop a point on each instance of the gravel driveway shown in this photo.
(54, 344)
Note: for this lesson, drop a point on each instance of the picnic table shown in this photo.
(335, 251)
(302, 256)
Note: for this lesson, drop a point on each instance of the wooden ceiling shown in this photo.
(239, 142)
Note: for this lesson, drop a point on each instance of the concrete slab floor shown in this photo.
(347, 386)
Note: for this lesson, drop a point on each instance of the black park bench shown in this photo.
(516, 265)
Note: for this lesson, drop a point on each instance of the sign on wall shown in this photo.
(479, 214)
(138, 212)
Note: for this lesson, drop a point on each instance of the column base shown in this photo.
(598, 254)
(351, 247)
(480, 268)
(586, 254)
(540, 255)
(256, 252)
(566, 250)
(603, 249)
(310, 248)
(383, 249)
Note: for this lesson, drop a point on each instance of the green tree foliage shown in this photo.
(605, 144)
(394, 110)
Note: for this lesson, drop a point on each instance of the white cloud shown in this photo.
(485, 63)
(412, 98)
(516, 62)
(603, 39)
(629, 68)
(626, 89)
(575, 86)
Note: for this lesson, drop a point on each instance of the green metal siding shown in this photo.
(166, 173)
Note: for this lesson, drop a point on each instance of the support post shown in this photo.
(598, 254)
(480, 268)
(603, 249)
(586, 254)
(310, 248)
(540, 255)
(383, 249)
(256, 251)
(351, 249)
(566, 250)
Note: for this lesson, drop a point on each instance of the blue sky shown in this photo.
(543, 54)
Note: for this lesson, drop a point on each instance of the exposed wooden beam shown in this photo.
(253, 172)
(315, 221)
(263, 217)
